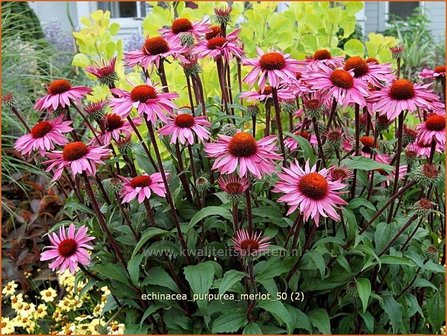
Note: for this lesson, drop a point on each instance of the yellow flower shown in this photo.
(116, 328)
(41, 311)
(69, 303)
(68, 329)
(105, 290)
(26, 322)
(95, 326)
(57, 316)
(16, 301)
(48, 295)
(97, 311)
(66, 278)
(27, 309)
(6, 326)
(9, 289)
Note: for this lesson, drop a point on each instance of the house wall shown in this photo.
(377, 14)
(48, 11)
(373, 18)
(436, 14)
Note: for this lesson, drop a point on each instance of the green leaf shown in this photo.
(320, 320)
(229, 279)
(300, 320)
(394, 311)
(269, 269)
(305, 145)
(207, 212)
(113, 271)
(334, 15)
(363, 163)
(354, 47)
(369, 321)
(152, 309)
(134, 268)
(277, 309)
(148, 234)
(200, 278)
(230, 322)
(114, 28)
(364, 290)
(361, 202)
(394, 260)
(252, 329)
(158, 276)
(420, 282)
(80, 60)
(436, 312)
(318, 261)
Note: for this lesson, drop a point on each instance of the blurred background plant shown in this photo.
(30, 206)
(421, 50)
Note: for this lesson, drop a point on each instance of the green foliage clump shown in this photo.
(421, 50)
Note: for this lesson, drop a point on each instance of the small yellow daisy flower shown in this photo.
(116, 328)
(48, 295)
(41, 311)
(16, 301)
(6, 326)
(9, 289)
(27, 309)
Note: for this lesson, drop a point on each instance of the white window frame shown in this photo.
(127, 24)
(387, 10)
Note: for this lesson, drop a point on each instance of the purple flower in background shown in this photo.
(134, 42)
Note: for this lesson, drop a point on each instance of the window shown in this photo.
(401, 9)
(124, 9)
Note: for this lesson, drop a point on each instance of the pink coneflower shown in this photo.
(250, 244)
(78, 157)
(44, 136)
(141, 187)
(337, 84)
(427, 74)
(403, 95)
(266, 93)
(323, 56)
(222, 15)
(243, 153)
(439, 71)
(233, 184)
(273, 67)
(104, 71)
(183, 25)
(433, 129)
(61, 94)
(423, 150)
(372, 73)
(347, 144)
(214, 31)
(369, 149)
(146, 99)
(339, 173)
(116, 127)
(153, 51)
(95, 110)
(298, 86)
(184, 126)
(397, 51)
(219, 46)
(313, 102)
(311, 191)
(69, 248)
